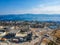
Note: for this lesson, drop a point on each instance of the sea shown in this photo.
(30, 17)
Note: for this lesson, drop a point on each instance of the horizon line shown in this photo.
(25, 13)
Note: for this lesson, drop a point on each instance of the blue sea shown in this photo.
(30, 17)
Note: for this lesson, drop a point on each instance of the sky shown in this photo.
(30, 6)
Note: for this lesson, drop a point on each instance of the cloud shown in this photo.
(54, 9)
(46, 8)
(41, 9)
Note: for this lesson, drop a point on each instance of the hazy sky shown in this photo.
(30, 6)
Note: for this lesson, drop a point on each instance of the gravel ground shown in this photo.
(25, 43)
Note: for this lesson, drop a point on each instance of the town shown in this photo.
(29, 33)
